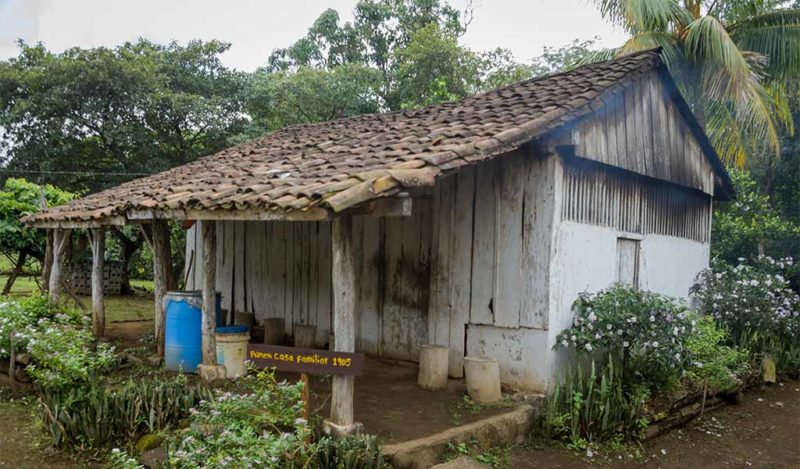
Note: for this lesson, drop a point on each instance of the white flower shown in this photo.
(564, 343)
(589, 347)
(626, 344)
(655, 344)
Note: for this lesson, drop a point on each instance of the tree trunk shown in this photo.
(23, 256)
(129, 248)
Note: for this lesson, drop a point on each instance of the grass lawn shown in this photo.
(118, 308)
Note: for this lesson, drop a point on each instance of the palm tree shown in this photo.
(737, 63)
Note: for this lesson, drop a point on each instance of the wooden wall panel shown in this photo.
(641, 130)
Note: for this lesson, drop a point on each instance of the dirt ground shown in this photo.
(391, 405)
(761, 432)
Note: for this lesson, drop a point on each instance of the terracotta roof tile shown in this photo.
(341, 163)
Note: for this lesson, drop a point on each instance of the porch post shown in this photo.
(343, 275)
(159, 282)
(209, 341)
(98, 238)
(60, 237)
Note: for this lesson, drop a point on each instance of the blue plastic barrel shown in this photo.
(183, 334)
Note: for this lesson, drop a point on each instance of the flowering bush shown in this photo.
(24, 317)
(58, 339)
(643, 331)
(754, 302)
(715, 364)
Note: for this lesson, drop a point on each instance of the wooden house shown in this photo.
(472, 224)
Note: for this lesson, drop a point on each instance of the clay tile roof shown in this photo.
(341, 163)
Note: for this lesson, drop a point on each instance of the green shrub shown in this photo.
(98, 415)
(263, 428)
(594, 407)
(644, 332)
(713, 363)
(755, 303)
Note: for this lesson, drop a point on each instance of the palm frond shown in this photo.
(644, 15)
(671, 50)
(749, 115)
(775, 35)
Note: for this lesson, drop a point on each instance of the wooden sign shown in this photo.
(305, 360)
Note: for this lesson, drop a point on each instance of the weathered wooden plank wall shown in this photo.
(640, 129)
(283, 269)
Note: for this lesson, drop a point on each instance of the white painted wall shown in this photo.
(584, 259)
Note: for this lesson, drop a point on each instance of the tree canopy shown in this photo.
(131, 110)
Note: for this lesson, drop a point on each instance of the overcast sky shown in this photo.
(256, 27)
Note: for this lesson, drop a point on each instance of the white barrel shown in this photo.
(232, 349)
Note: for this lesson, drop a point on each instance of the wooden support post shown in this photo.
(343, 274)
(159, 245)
(48, 260)
(60, 237)
(209, 341)
(98, 239)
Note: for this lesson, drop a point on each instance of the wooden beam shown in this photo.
(209, 342)
(159, 244)
(311, 214)
(386, 207)
(343, 275)
(60, 237)
(67, 224)
(97, 237)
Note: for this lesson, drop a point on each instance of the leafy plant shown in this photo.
(25, 318)
(715, 364)
(592, 407)
(351, 452)
(496, 456)
(98, 414)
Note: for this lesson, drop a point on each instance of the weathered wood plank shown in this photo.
(370, 281)
(536, 238)
(509, 242)
(439, 310)
(460, 269)
(159, 234)
(98, 241)
(209, 341)
(483, 248)
(345, 288)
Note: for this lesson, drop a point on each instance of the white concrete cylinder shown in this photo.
(483, 379)
(433, 364)
(305, 336)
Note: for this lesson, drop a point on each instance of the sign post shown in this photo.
(306, 361)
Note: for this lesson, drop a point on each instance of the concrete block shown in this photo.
(211, 372)
(338, 431)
